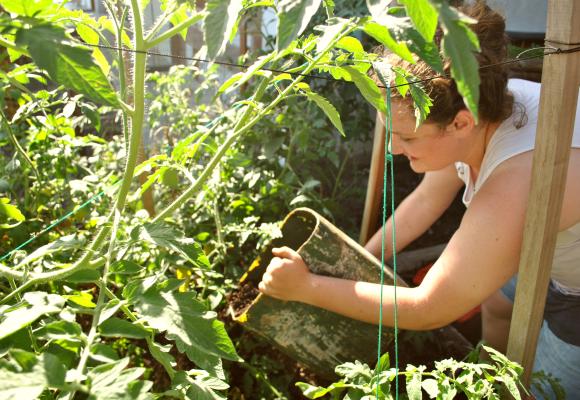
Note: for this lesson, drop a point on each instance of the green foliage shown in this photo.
(114, 381)
(328, 109)
(9, 213)
(183, 318)
(166, 236)
(459, 44)
(110, 309)
(382, 35)
(294, 16)
(219, 24)
(33, 306)
(423, 15)
(473, 379)
(26, 375)
(67, 64)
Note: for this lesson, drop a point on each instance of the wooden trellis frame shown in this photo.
(558, 99)
(375, 185)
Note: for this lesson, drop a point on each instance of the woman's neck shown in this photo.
(481, 138)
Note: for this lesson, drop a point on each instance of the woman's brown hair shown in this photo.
(495, 101)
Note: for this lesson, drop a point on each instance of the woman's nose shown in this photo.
(395, 145)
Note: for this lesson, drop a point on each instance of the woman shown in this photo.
(493, 159)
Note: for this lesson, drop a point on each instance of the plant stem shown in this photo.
(16, 144)
(239, 129)
(152, 42)
(10, 45)
(339, 175)
(137, 120)
(92, 336)
(135, 140)
(28, 328)
(160, 21)
(122, 69)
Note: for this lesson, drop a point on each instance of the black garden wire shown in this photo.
(553, 50)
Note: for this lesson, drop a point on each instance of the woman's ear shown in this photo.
(462, 124)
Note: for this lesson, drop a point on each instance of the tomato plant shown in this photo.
(68, 305)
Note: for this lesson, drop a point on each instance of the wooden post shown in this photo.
(375, 186)
(559, 95)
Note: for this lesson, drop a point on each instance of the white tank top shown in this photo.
(509, 141)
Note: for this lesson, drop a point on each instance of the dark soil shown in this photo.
(242, 298)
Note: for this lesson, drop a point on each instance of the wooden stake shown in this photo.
(375, 186)
(559, 95)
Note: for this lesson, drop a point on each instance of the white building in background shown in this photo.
(525, 19)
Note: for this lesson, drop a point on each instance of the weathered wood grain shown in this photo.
(558, 99)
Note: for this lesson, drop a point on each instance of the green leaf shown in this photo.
(382, 35)
(354, 370)
(421, 101)
(328, 109)
(83, 299)
(116, 327)
(293, 18)
(28, 376)
(9, 211)
(383, 364)
(103, 353)
(200, 387)
(367, 87)
(431, 387)
(186, 321)
(27, 8)
(219, 22)
(125, 267)
(84, 276)
(59, 330)
(33, 306)
(179, 16)
(114, 381)
(423, 15)
(165, 235)
(511, 386)
(107, 24)
(209, 362)
(90, 36)
(426, 50)
(414, 384)
(238, 80)
(316, 392)
(350, 44)
(378, 8)
(67, 63)
(459, 45)
(329, 32)
(63, 243)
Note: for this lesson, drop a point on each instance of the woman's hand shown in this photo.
(287, 276)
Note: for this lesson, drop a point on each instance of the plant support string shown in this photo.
(388, 160)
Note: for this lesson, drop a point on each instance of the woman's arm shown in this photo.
(481, 256)
(418, 211)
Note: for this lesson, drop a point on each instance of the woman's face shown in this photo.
(429, 147)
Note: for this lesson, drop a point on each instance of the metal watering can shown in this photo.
(320, 339)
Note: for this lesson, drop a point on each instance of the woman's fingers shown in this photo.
(286, 252)
(285, 276)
